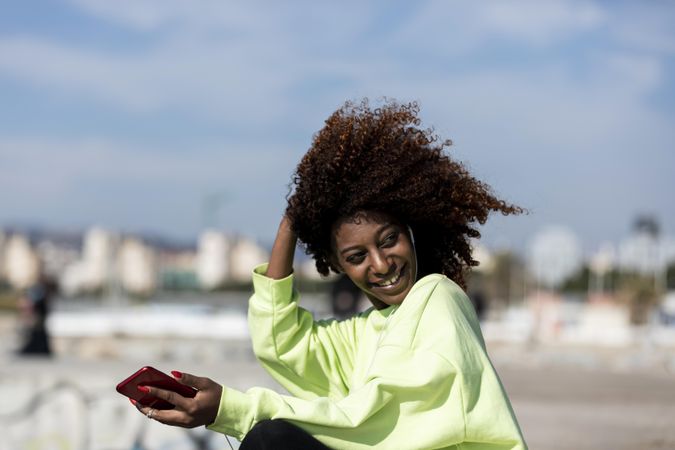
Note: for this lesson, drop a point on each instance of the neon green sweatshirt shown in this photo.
(414, 376)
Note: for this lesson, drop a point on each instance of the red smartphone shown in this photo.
(149, 376)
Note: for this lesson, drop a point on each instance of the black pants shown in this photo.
(278, 434)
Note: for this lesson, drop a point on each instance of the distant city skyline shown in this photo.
(165, 117)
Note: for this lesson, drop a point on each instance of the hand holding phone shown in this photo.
(149, 376)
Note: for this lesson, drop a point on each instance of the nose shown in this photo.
(381, 267)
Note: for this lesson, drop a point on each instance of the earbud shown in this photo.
(412, 241)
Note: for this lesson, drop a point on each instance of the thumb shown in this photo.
(201, 383)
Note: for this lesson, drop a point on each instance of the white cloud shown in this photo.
(209, 18)
(252, 76)
(243, 67)
(248, 66)
(44, 166)
(149, 15)
(181, 75)
(646, 27)
(55, 66)
(645, 72)
(551, 102)
(566, 145)
(458, 28)
(538, 22)
(76, 182)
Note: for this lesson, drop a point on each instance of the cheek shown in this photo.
(357, 276)
(408, 252)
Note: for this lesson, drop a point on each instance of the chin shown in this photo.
(393, 294)
(393, 300)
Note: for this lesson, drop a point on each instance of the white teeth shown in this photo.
(390, 281)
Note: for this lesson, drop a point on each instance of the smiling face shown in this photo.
(376, 253)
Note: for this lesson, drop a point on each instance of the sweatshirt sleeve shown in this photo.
(310, 359)
(407, 391)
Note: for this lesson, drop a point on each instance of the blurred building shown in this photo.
(98, 252)
(56, 256)
(244, 256)
(177, 269)
(306, 268)
(221, 258)
(21, 263)
(137, 265)
(213, 255)
(554, 255)
(96, 268)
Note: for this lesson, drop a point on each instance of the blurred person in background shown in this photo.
(479, 304)
(345, 297)
(378, 200)
(34, 307)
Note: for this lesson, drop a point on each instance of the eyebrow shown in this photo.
(378, 232)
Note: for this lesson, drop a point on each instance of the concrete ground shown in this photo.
(559, 406)
(566, 408)
(565, 398)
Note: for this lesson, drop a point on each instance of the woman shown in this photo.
(377, 199)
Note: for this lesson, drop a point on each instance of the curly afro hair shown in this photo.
(380, 160)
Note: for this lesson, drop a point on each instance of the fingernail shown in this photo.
(133, 402)
(143, 389)
(176, 374)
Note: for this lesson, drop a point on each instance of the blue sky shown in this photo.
(130, 114)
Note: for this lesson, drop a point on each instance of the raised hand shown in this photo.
(283, 250)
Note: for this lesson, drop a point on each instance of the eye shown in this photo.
(390, 239)
(356, 258)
